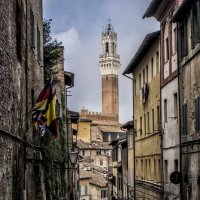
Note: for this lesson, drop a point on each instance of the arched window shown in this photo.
(107, 49)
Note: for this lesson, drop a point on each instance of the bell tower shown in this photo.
(109, 63)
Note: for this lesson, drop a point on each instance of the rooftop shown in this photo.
(94, 145)
(95, 179)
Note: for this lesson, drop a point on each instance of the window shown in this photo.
(113, 47)
(114, 180)
(155, 169)
(120, 183)
(157, 61)
(144, 124)
(32, 29)
(140, 125)
(175, 105)
(135, 127)
(174, 40)
(142, 169)
(114, 154)
(98, 152)
(197, 114)
(84, 190)
(153, 128)
(166, 49)
(165, 110)
(38, 43)
(183, 39)
(149, 169)
(57, 108)
(32, 97)
(195, 25)
(135, 87)
(152, 71)
(18, 31)
(148, 122)
(184, 118)
(166, 171)
(145, 169)
(159, 168)
(147, 74)
(104, 194)
(107, 49)
(176, 165)
(143, 76)
(158, 118)
(140, 82)
(101, 162)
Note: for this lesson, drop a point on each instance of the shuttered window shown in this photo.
(32, 29)
(197, 114)
(195, 24)
(184, 119)
(38, 43)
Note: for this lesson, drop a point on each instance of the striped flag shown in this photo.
(44, 113)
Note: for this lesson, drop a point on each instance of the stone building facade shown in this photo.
(21, 77)
(163, 12)
(145, 69)
(188, 21)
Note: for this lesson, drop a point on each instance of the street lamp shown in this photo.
(73, 155)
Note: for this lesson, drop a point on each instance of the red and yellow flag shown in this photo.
(45, 109)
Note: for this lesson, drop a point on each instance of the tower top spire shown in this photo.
(109, 27)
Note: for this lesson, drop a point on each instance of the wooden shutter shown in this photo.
(197, 114)
(198, 19)
(38, 43)
(192, 29)
(32, 29)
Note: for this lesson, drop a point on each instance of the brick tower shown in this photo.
(109, 63)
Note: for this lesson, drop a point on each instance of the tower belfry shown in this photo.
(109, 63)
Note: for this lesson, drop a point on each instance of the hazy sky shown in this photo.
(79, 24)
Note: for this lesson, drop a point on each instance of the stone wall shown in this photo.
(21, 78)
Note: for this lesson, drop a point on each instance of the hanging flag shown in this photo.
(51, 114)
(44, 114)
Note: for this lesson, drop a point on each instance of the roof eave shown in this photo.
(152, 8)
(142, 50)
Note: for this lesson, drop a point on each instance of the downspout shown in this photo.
(67, 129)
(26, 85)
(134, 182)
(179, 105)
(161, 127)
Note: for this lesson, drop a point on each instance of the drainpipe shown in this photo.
(179, 103)
(26, 85)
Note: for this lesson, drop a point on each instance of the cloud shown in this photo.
(78, 24)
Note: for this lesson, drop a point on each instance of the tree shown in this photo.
(52, 50)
